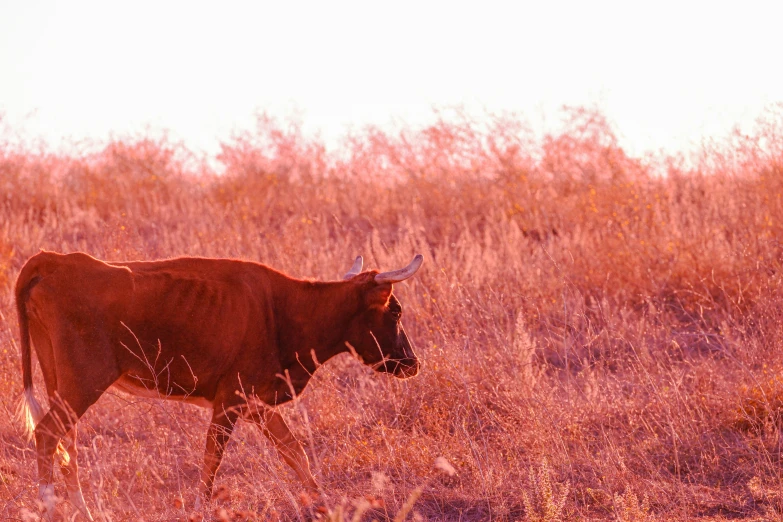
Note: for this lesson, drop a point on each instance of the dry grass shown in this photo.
(599, 341)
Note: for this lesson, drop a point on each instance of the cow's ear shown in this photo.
(378, 295)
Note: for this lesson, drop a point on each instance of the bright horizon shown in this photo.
(666, 75)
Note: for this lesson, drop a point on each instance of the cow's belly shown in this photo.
(131, 386)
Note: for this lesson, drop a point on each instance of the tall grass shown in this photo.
(601, 334)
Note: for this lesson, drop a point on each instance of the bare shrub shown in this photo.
(544, 500)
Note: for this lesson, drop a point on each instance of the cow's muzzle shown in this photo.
(404, 368)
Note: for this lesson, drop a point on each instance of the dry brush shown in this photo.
(601, 334)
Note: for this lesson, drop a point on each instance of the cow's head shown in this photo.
(376, 333)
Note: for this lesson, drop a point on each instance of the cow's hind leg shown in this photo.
(67, 453)
(80, 382)
(57, 426)
(69, 467)
(49, 432)
(276, 430)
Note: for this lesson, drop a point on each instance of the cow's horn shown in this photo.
(402, 274)
(355, 269)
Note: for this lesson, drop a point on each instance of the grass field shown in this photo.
(601, 335)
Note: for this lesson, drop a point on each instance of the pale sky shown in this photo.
(665, 73)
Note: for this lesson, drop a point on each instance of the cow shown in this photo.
(234, 336)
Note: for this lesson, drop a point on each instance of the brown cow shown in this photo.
(234, 336)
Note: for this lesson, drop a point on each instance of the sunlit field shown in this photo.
(601, 335)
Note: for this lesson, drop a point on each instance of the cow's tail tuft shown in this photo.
(29, 412)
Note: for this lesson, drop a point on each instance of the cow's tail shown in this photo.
(29, 412)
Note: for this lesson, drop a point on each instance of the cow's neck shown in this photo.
(312, 321)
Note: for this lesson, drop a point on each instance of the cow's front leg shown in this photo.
(276, 430)
(219, 433)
